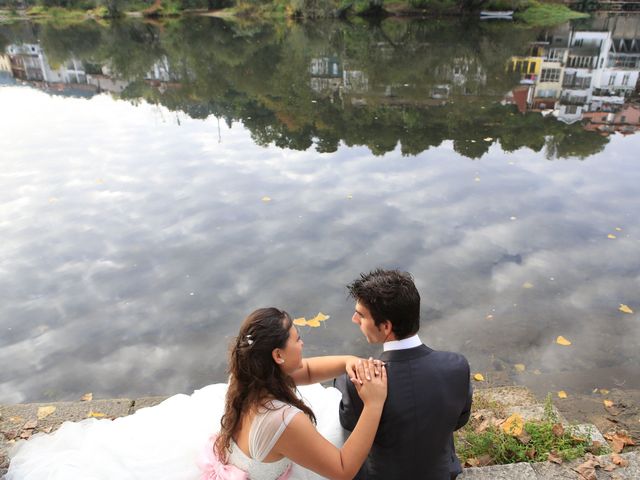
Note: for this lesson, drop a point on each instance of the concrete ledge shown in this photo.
(514, 471)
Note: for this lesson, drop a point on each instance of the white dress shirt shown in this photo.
(403, 344)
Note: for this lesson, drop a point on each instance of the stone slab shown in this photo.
(514, 471)
(507, 396)
(591, 431)
(534, 412)
(145, 402)
(551, 471)
(14, 417)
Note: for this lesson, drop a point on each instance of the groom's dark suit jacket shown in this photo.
(429, 396)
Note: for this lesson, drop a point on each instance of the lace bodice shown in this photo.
(266, 428)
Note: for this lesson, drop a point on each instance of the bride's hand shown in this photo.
(352, 367)
(371, 382)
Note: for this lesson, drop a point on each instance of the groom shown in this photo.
(429, 392)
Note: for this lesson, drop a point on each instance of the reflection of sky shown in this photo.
(133, 247)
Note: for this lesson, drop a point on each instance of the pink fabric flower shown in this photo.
(213, 469)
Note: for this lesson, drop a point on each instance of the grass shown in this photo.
(547, 14)
(539, 439)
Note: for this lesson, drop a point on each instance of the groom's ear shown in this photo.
(387, 329)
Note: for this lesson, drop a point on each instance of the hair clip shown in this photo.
(249, 339)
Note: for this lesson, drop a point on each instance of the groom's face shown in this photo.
(362, 317)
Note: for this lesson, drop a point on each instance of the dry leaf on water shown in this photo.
(611, 236)
(520, 367)
(562, 341)
(625, 308)
(44, 412)
(527, 285)
(313, 322)
(514, 425)
(87, 397)
(266, 199)
(608, 403)
(478, 377)
(562, 394)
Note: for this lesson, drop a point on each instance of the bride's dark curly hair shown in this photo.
(255, 378)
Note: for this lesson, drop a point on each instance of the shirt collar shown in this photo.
(403, 344)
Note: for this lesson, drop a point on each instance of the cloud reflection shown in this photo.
(134, 246)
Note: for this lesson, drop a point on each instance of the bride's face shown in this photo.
(292, 352)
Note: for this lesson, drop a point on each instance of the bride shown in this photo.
(255, 428)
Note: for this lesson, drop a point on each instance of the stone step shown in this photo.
(552, 471)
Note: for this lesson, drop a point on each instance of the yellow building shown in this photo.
(525, 65)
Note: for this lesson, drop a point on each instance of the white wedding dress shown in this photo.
(162, 442)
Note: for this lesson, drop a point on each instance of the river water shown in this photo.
(160, 181)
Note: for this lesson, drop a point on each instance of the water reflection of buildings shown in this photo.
(584, 74)
(331, 76)
(28, 64)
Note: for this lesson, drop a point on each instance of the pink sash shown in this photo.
(213, 469)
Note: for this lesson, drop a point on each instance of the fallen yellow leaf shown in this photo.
(618, 229)
(44, 412)
(514, 425)
(93, 414)
(320, 317)
(477, 179)
(488, 139)
(266, 199)
(87, 397)
(562, 341)
(562, 394)
(604, 391)
(625, 308)
(527, 285)
(611, 235)
(520, 367)
(608, 403)
(313, 323)
(478, 377)
(301, 322)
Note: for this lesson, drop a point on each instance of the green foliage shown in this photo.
(534, 447)
(259, 73)
(548, 14)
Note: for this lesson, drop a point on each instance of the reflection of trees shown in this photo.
(259, 74)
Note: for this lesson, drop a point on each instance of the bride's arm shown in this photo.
(302, 444)
(320, 369)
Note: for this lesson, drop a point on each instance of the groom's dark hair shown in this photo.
(389, 295)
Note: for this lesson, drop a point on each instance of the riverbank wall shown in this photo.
(19, 422)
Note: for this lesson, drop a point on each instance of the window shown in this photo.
(625, 79)
(532, 67)
(550, 75)
(612, 79)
